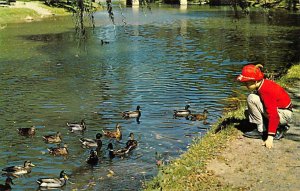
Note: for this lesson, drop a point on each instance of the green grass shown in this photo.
(55, 10)
(291, 76)
(17, 15)
(188, 172)
(8, 15)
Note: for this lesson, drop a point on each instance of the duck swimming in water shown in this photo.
(131, 144)
(77, 126)
(92, 142)
(59, 150)
(93, 158)
(116, 153)
(56, 138)
(198, 116)
(182, 112)
(117, 134)
(18, 170)
(51, 183)
(6, 186)
(132, 114)
(27, 131)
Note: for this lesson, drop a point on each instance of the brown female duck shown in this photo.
(59, 150)
(117, 134)
(198, 116)
(18, 170)
(27, 131)
(53, 138)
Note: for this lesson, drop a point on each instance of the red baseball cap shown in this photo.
(251, 73)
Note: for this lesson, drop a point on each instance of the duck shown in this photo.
(132, 114)
(93, 158)
(59, 150)
(27, 131)
(53, 182)
(198, 116)
(131, 144)
(117, 134)
(6, 186)
(77, 126)
(182, 112)
(104, 42)
(18, 170)
(92, 142)
(56, 138)
(116, 153)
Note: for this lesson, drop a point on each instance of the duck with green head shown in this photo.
(52, 183)
(132, 114)
(88, 143)
(93, 158)
(116, 153)
(18, 170)
(132, 143)
(77, 126)
(182, 112)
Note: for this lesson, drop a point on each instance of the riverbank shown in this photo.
(21, 11)
(225, 160)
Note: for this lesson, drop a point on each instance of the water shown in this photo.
(160, 60)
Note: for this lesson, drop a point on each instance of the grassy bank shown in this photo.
(188, 172)
(8, 15)
(18, 14)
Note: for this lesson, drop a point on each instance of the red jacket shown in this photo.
(273, 97)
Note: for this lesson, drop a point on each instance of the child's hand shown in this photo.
(269, 142)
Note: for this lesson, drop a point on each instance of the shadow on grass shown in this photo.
(241, 124)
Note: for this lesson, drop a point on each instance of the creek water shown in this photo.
(161, 60)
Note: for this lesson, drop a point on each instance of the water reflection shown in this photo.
(162, 61)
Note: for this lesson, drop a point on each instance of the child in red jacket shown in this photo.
(269, 101)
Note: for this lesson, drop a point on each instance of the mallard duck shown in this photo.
(53, 182)
(27, 131)
(6, 186)
(92, 142)
(198, 116)
(56, 138)
(182, 112)
(77, 126)
(117, 134)
(93, 158)
(59, 150)
(132, 114)
(18, 170)
(131, 144)
(104, 42)
(116, 153)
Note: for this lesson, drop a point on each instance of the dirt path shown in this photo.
(248, 165)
